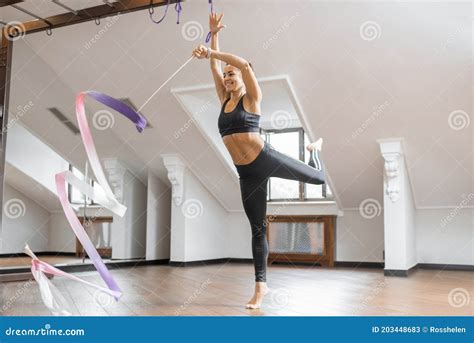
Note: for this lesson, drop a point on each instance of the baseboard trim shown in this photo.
(40, 253)
(432, 266)
(241, 260)
(400, 272)
(396, 272)
(351, 264)
(209, 262)
(438, 266)
(85, 267)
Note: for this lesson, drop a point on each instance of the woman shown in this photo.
(255, 160)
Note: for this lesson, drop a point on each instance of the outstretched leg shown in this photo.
(287, 167)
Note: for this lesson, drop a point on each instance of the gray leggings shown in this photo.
(253, 179)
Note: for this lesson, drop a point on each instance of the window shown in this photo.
(292, 142)
(74, 195)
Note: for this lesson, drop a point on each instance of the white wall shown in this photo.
(41, 164)
(239, 235)
(61, 236)
(158, 219)
(359, 239)
(198, 225)
(206, 235)
(24, 221)
(129, 231)
(445, 236)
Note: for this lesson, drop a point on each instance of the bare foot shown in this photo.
(261, 290)
(318, 145)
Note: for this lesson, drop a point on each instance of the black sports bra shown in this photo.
(238, 120)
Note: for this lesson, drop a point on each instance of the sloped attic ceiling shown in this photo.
(362, 71)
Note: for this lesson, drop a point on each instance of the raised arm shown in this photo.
(215, 26)
(251, 84)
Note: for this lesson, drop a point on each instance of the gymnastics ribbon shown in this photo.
(178, 8)
(101, 193)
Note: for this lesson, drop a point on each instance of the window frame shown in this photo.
(90, 201)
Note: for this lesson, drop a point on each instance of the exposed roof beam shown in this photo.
(87, 14)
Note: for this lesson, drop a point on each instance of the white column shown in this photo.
(158, 219)
(176, 168)
(129, 231)
(399, 210)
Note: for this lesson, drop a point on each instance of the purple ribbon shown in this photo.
(208, 38)
(178, 8)
(135, 117)
(151, 10)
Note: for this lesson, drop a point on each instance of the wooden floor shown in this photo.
(223, 289)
